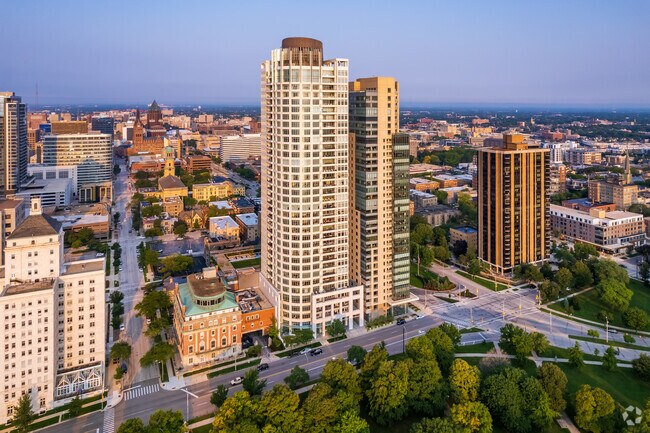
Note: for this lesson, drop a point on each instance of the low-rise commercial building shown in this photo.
(422, 199)
(224, 227)
(196, 163)
(216, 190)
(250, 226)
(582, 156)
(439, 214)
(612, 231)
(421, 184)
(54, 193)
(469, 235)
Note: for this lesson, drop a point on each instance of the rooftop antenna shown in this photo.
(37, 93)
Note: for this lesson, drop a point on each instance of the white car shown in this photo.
(122, 327)
(305, 351)
(237, 381)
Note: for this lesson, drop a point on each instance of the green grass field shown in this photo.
(425, 275)
(591, 305)
(562, 353)
(247, 263)
(476, 348)
(483, 282)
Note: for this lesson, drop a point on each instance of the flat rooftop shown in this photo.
(96, 264)
(248, 219)
(28, 287)
(10, 204)
(468, 230)
(252, 300)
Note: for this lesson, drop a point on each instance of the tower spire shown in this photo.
(628, 170)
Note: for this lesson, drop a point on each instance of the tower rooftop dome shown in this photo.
(302, 43)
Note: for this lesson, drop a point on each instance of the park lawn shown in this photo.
(476, 348)
(591, 305)
(610, 342)
(425, 275)
(203, 429)
(563, 353)
(247, 263)
(483, 282)
(621, 384)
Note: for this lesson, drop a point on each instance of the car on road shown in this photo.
(316, 352)
(99, 255)
(148, 321)
(305, 351)
(237, 381)
(263, 367)
(400, 322)
(122, 327)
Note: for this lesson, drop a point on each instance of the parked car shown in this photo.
(237, 381)
(263, 367)
(305, 351)
(315, 352)
(122, 327)
(401, 321)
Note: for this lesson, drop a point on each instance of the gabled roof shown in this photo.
(169, 182)
(36, 225)
(154, 106)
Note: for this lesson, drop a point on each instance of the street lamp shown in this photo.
(403, 338)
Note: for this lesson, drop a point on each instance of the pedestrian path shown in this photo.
(140, 391)
(109, 420)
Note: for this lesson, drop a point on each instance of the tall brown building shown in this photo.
(513, 206)
(379, 201)
(155, 125)
(70, 127)
(148, 140)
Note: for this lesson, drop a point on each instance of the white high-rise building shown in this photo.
(52, 316)
(304, 218)
(239, 147)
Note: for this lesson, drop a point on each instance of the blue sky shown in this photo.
(564, 52)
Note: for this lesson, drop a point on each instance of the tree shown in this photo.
(426, 256)
(474, 267)
(351, 422)
(300, 336)
(540, 342)
(176, 264)
(341, 376)
(564, 278)
(549, 290)
(280, 409)
(443, 347)
(335, 328)
(576, 356)
(464, 381)
(427, 392)
(356, 354)
(641, 367)
(607, 269)
(152, 303)
(371, 362)
(23, 414)
(452, 332)
(180, 228)
(151, 211)
(219, 396)
(583, 251)
(615, 294)
(252, 384)
(116, 169)
(434, 425)
(388, 392)
(636, 318)
(472, 417)
(459, 248)
(132, 425)
(609, 359)
(592, 406)
(467, 207)
(532, 273)
(324, 408)
(582, 276)
(554, 382)
(120, 351)
(116, 297)
(547, 271)
(74, 407)
(159, 352)
(238, 414)
(297, 377)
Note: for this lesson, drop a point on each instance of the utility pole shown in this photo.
(606, 329)
(550, 321)
(471, 315)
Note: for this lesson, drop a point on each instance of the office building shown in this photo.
(92, 154)
(53, 316)
(196, 163)
(249, 225)
(514, 223)
(304, 218)
(70, 127)
(557, 179)
(42, 172)
(583, 156)
(610, 231)
(379, 201)
(104, 125)
(239, 147)
(616, 189)
(13, 143)
(469, 235)
(57, 193)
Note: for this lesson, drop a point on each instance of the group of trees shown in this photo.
(521, 343)
(452, 156)
(428, 243)
(161, 421)
(155, 306)
(85, 237)
(117, 256)
(120, 352)
(117, 308)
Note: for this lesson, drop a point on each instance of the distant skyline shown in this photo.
(553, 53)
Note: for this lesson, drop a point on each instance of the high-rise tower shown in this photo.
(304, 218)
(379, 201)
(14, 150)
(513, 204)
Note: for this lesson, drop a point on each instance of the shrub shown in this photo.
(628, 338)
(593, 333)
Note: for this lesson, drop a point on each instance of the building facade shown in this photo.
(513, 204)
(70, 127)
(239, 147)
(216, 190)
(379, 212)
(52, 311)
(304, 185)
(611, 231)
(14, 150)
(91, 154)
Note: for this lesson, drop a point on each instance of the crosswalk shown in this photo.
(109, 420)
(140, 391)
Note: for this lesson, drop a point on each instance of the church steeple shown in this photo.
(628, 170)
(170, 169)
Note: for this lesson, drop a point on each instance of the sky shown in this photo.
(547, 53)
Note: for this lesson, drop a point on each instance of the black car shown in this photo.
(401, 321)
(263, 367)
(316, 352)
